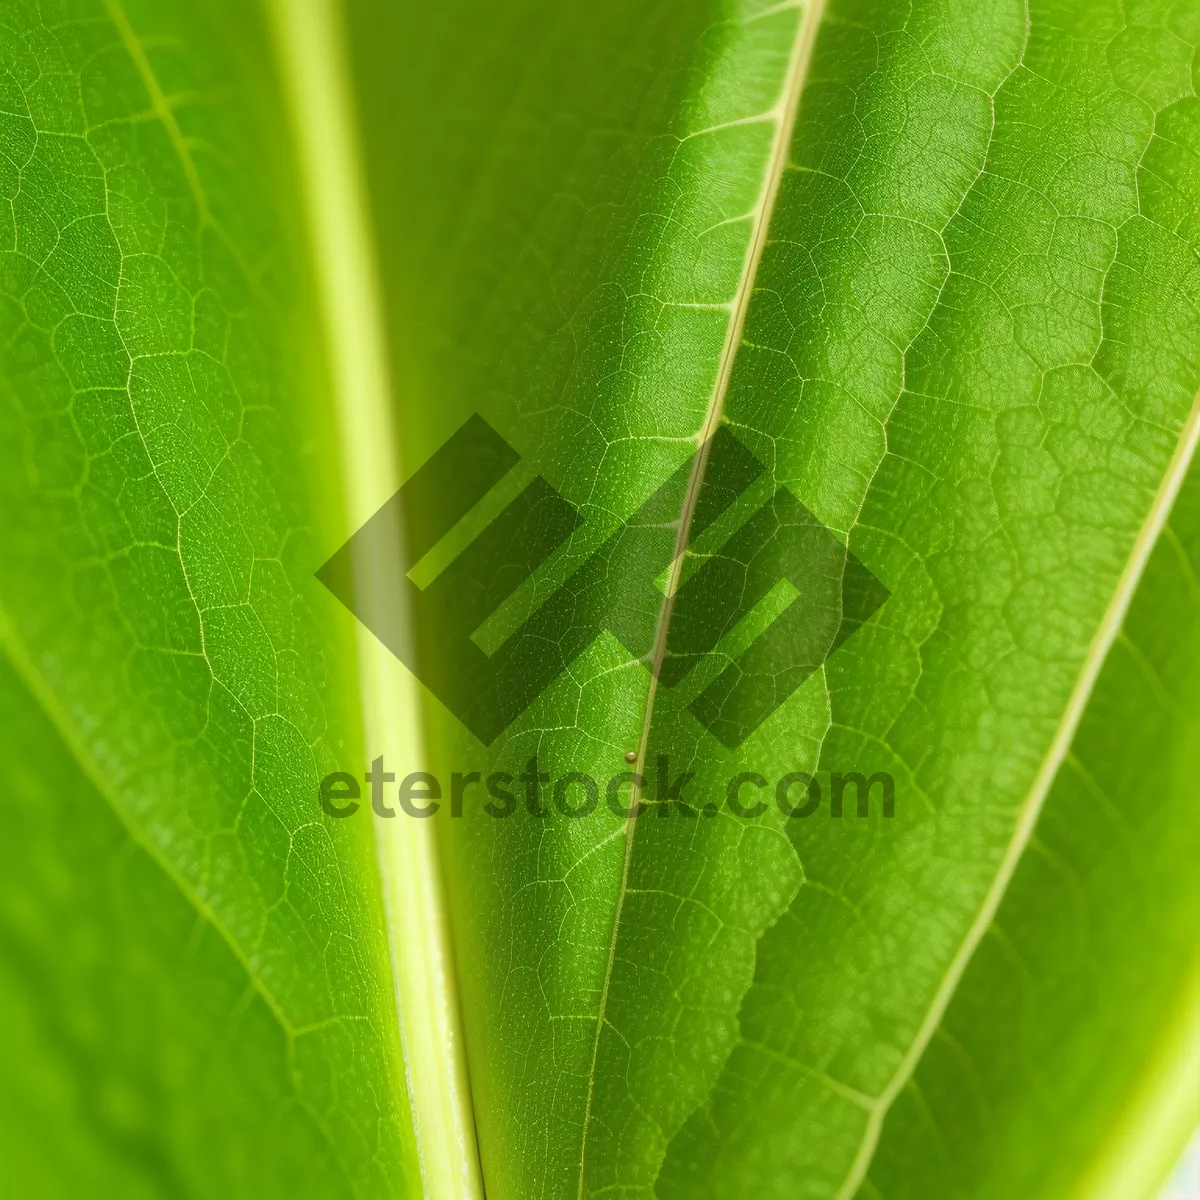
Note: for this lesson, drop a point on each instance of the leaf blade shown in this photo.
(159, 457)
(1092, 949)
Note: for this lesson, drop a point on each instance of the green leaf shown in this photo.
(1066, 1064)
(970, 346)
(144, 1057)
(198, 995)
(933, 265)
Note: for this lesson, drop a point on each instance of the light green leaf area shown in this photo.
(934, 262)
(1066, 1064)
(141, 1059)
(196, 993)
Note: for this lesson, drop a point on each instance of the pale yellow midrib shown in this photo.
(785, 118)
(1031, 808)
(311, 52)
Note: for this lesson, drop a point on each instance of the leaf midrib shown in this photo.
(784, 115)
(318, 96)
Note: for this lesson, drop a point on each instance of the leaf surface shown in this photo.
(913, 281)
(1066, 1062)
(173, 688)
(969, 347)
